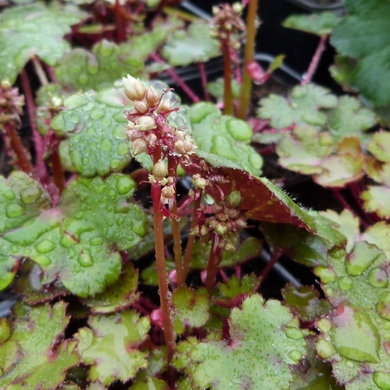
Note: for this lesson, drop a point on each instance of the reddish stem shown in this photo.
(274, 259)
(315, 60)
(178, 80)
(214, 257)
(161, 271)
(227, 80)
(203, 78)
(23, 162)
(56, 166)
(120, 32)
(191, 238)
(40, 167)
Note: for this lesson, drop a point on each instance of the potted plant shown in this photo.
(141, 227)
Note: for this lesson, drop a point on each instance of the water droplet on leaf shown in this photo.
(345, 283)
(42, 260)
(9, 194)
(378, 278)
(362, 256)
(45, 246)
(124, 184)
(85, 259)
(324, 349)
(382, 380)
(383, 306)
(14, 210)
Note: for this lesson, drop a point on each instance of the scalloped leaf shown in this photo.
(43, 359)
(321, 23)
(349, 118)
(118, 296)
(372, 50)
(26, 31)
(354, 337)
(110, 346)
(99, 68)
(97, 131)
(264, 341)
(21, 198)
(376, 199)
(191, 308)
(302, 107)
(194, 44)
(223, 139)
(380, 146)
(75, 241)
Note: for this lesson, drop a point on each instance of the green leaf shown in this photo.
(216, 88)
(43, 359)
(303, 107)
(223, 139)
(320, 24)
(97, 132)
(380, 146)
(364, 35)
(195, 44)
(264, 341)
(191, 308)
(149, 383)
(342, 71)
(75, 241)
(110, 346)
(303, 150)
(26, 31)
(118, 296)
(305, 302)
(354, 338)
(376, 199)
(21, 198)
(349, 118)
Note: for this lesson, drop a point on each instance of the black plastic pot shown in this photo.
(319, 5)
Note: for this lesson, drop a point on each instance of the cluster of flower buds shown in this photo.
(147, 123)
(11, 103)
(227, 24)
(226, 222)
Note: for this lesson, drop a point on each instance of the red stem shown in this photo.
(215, 254)
(56, 166)
(315, 60)
(40, 167)
(161, 271)
(227, 80)
(23, 162)
(191, 238)
(178, 80)
(203, 78)
(274, 259)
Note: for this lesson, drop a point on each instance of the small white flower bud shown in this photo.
(160, 170)
(152, 97)
(199, 182)
(164, 106)
(139, 145)
(140, 106)
(168, 192)
(134, 89)
(145, 123)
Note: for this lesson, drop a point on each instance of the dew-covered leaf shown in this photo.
(44, 359)
(118, 296)
(21, 199)
(356, 282)
(349, 118)
(194, 44)
(305, 302)
(97, 131)
(321, 23)
(303, 106)
(110, 346)
(77, 241)
(364, 35)
(34, 30)
(223, 138)
(191, 308)
(264, 341)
